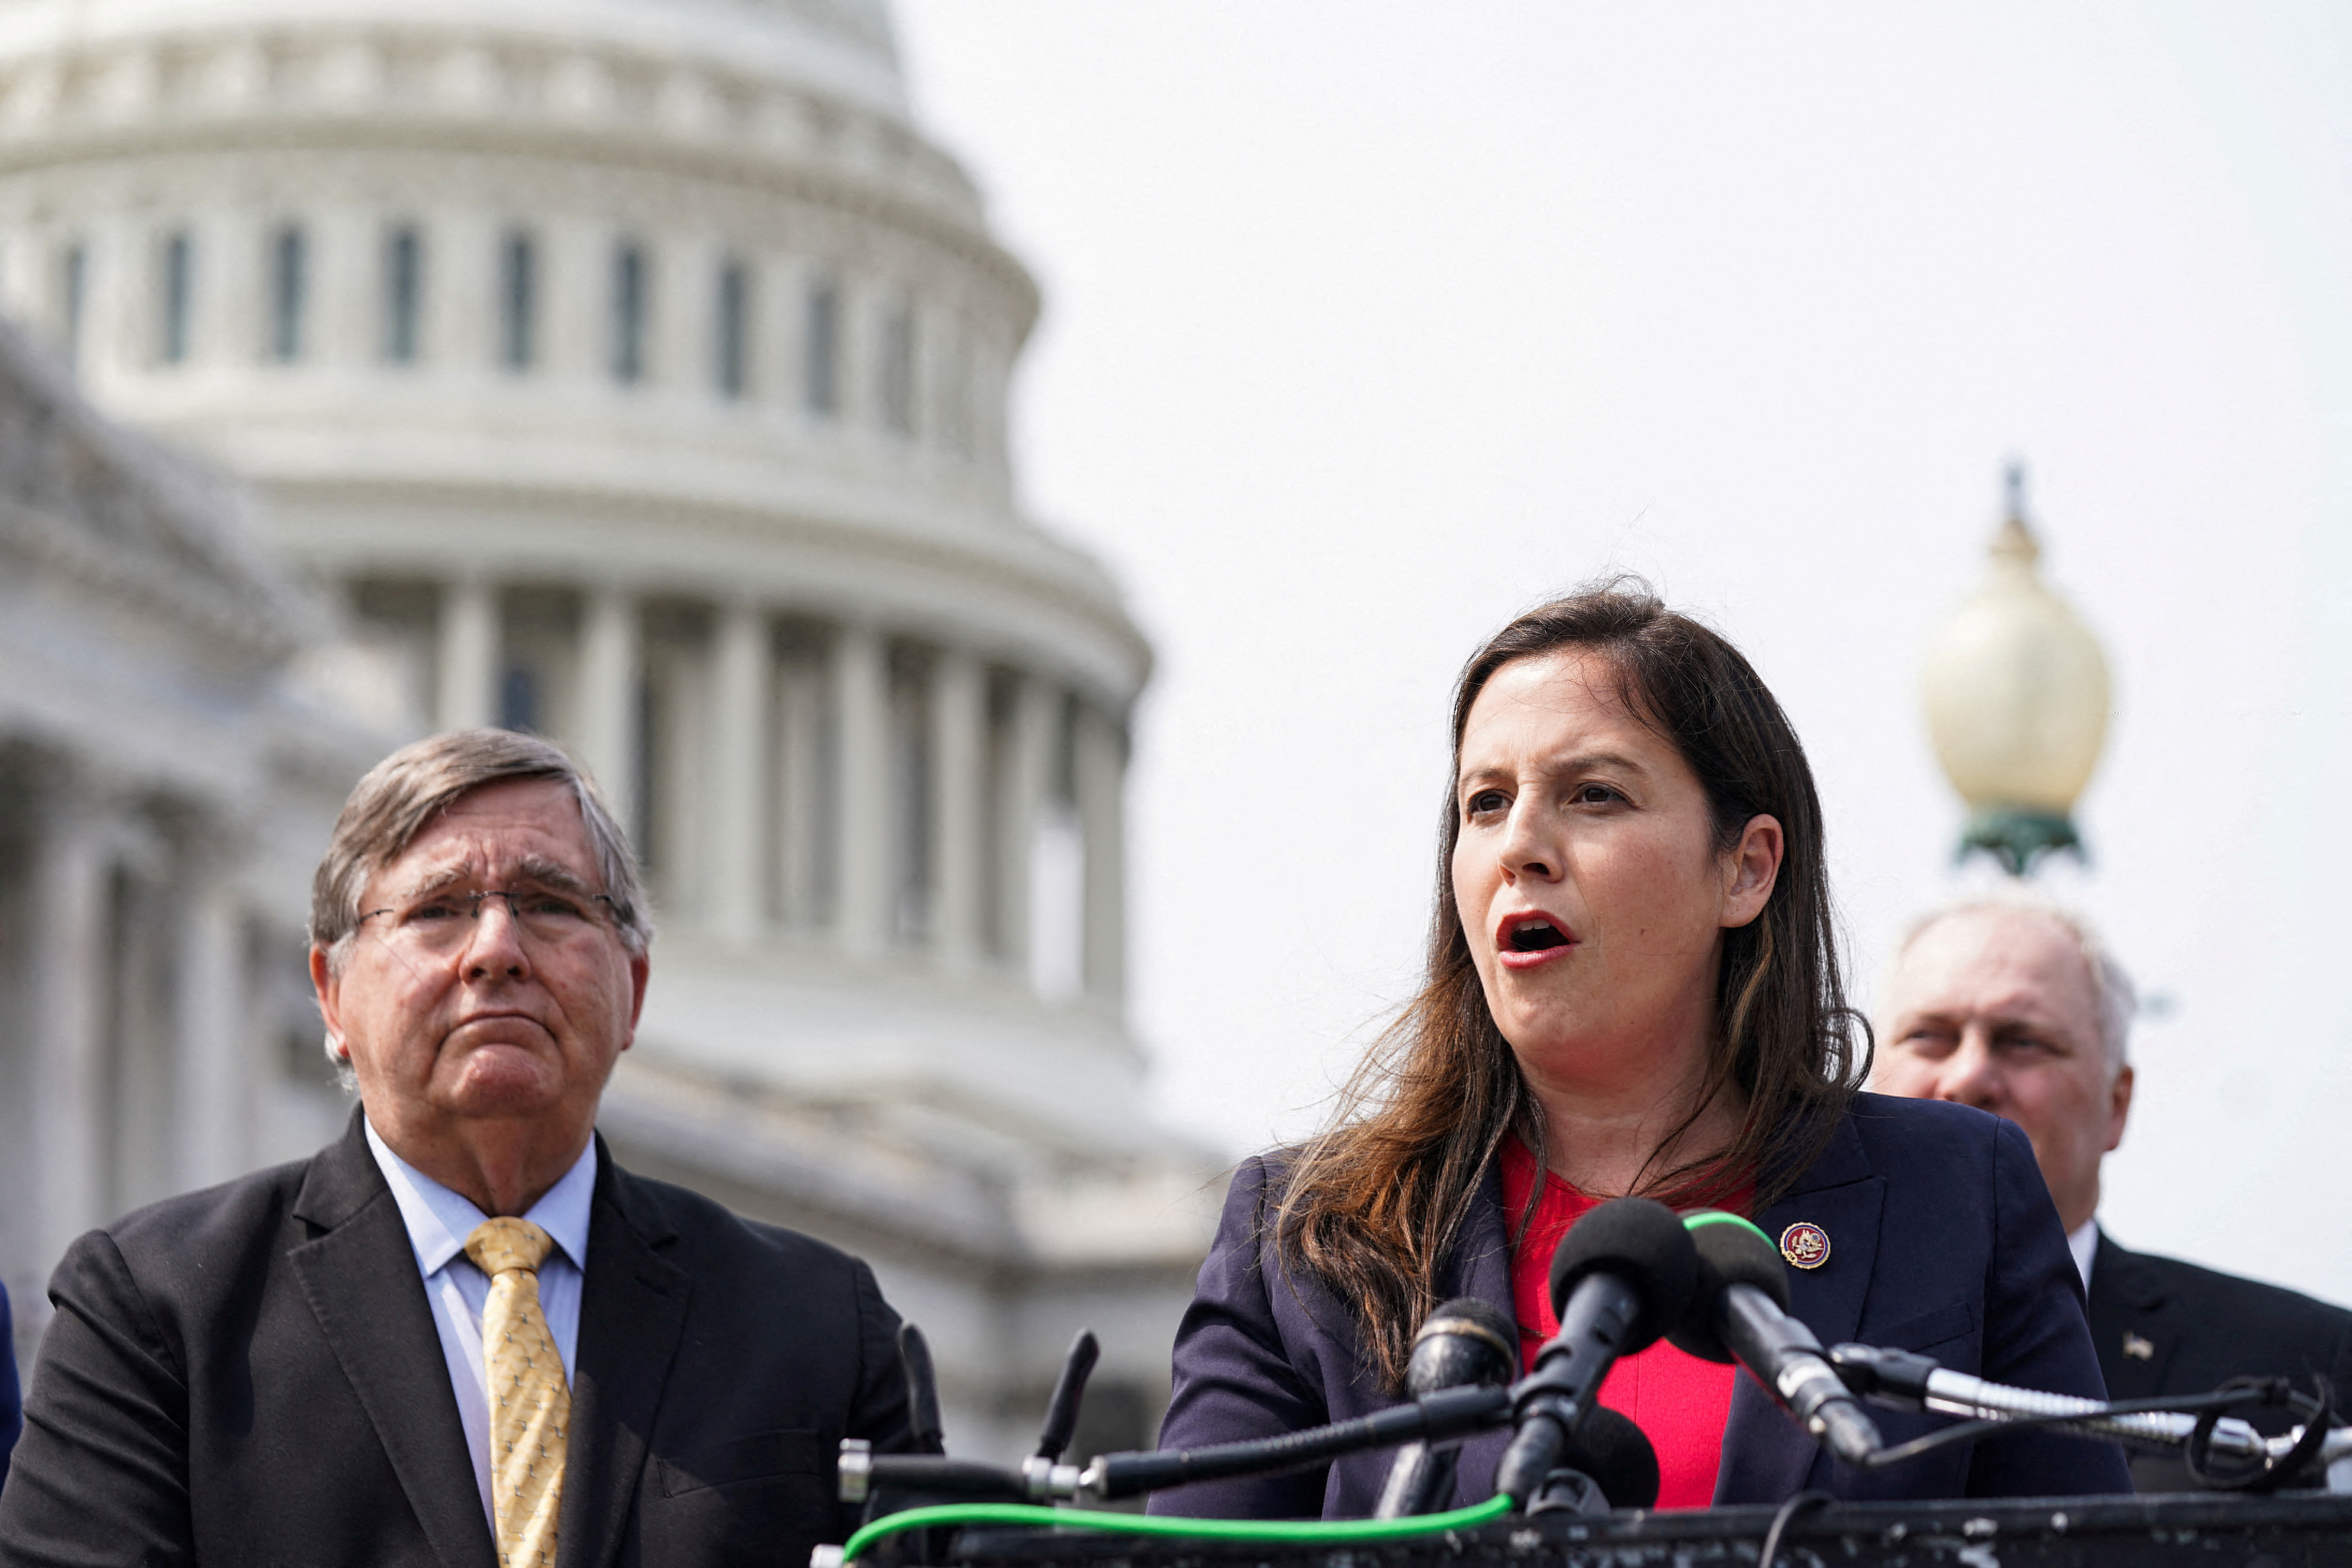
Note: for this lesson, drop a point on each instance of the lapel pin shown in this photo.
(1805, 1245)
(2138, 1349)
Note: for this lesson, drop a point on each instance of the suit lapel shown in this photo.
(1766, 1453)
(632, 1313)
(359, 1278)
(1482, 1268)
(2127, 1326)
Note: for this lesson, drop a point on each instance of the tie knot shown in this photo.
(498, 1244)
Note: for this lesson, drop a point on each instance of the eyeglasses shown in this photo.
(445, 920)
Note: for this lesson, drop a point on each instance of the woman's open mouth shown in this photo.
(1529, 939)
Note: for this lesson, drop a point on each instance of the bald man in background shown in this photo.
(2014, 1006)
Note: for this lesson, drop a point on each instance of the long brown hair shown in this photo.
(1375, 1203)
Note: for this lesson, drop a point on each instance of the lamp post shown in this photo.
(2016, 694)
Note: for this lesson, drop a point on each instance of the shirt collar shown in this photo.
(2082, 1241)
(439, 1220)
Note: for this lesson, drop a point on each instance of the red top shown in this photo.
(1678, 1401)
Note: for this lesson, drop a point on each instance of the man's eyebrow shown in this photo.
(447, 877)
(552, 875)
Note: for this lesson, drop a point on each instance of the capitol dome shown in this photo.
(636, 372)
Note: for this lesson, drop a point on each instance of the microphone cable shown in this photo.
(2214, 1403)
(1293, 1532)
(1768, 1553)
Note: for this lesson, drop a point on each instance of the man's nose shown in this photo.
(1972, 1074)
(495, 945)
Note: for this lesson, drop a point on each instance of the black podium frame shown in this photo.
(2307, 1530)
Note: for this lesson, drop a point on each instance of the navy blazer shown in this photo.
(1942, 1240)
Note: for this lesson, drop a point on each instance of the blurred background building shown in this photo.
(634, 371)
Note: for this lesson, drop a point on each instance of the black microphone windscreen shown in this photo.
(1642, 1241)
(1617, 1455)
(1464, 1341)
(1730, 1252)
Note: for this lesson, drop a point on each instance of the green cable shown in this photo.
(1304, 1532)
(1699, 1217)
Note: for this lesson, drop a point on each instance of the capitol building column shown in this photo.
(93, 281)
(469, 656)
(459, 259)
(1100, 763)
(1028, 785)
(738, 845)
(609, 678)
(70, 963)
(959, 796)
(214, 1136)
(224, 319)
(862, 871)
(342, 288)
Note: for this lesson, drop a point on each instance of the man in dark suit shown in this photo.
(460, 1334)
(2015, 1007)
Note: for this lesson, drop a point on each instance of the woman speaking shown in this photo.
(1633, 988)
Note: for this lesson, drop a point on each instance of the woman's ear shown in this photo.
(1750, 870)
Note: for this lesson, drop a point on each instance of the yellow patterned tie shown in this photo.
(531, 1407)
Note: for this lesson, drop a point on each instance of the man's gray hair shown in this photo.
(402, 793)
(2114, 999)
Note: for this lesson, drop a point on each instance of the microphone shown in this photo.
(1608, 1463)
(1466, 1343)
(1043, 1471)
(1741, 1312)
(1062, 1409)
(922, 1392)
(1623, 1273)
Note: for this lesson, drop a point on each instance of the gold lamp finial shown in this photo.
(2017, 696)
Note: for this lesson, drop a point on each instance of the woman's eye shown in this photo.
(1596, 794)
(1484, 801)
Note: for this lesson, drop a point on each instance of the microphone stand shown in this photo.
(1903, 1380)
(1434, 1417)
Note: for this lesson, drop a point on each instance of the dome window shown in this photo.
(732, 357)
(629, 314)
(73, 287)
(820, 351)
(176, 287)
(288, 288)
(517, 302)
(403, 294)
(898, 368)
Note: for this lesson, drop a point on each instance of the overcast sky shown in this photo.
(1369, 324)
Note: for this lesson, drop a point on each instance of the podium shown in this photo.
(2210, 1529)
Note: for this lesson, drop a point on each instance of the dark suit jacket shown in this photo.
(12, 1410)
(2166, 1327)
(252, 1375)
(1942, 1240)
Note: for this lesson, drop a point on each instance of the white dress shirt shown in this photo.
(438, 1223)
(2082, 1241)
